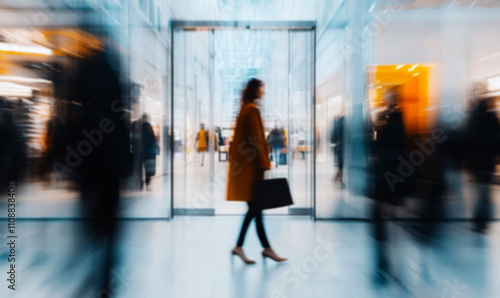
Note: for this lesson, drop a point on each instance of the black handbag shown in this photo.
(272, 193)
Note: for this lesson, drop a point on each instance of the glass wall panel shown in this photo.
(331, 101)
(438, 86)
(50, 129)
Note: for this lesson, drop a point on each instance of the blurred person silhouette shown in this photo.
(55, 141)
(302, 136)
(214, 139)
(218, 134)
(430, 189)
(219, 141)
(248, 160)
(294, 144)
(276, 140)
(385, 149)
(135, 139)
(202, 142)
(100, 146)
(149, 150)
(483, 146)
(337, 139)
(166, 144)
(454, 156)
(13, 152)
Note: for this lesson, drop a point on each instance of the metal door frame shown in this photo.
(249, 25)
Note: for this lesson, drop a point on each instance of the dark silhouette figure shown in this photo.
(55, 141)
(430, 189)
(483, 145)
(338, 139)
(149, 150)
(276, 140)
(13, 153)
(220, 140)
(385, 149)
(135, 139)
(100, 138)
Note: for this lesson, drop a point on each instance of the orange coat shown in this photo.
(248, 154)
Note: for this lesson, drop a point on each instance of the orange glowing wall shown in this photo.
(412, 85)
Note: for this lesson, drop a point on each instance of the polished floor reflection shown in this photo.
(197, 191)
(190, 257)
(62, 200)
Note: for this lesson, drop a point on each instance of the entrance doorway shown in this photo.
(212, 61)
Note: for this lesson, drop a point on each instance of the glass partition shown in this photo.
(51, 131)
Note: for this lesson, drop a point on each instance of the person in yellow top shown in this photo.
(248, 160)
(202, 142)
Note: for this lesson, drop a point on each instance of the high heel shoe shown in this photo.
(238, 251)
(269, 253)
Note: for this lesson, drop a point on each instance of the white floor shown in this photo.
(189, 257)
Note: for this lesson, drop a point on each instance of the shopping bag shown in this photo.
(272, 193)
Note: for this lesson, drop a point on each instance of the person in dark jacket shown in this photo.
(482, 138)
(220, 140)
(55, 141)
(149, 150)
(101, 130)
(13, 153)
(276, 141)
(338, 140)
(386, 147)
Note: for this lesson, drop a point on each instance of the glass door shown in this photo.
(242, 54)
(211, 68)
(192, 128)
(302, 138)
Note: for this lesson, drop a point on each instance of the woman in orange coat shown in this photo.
(248, 160)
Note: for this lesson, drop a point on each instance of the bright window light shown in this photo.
(34, 49)
(494, 84)
(15, 90)
(23, 79)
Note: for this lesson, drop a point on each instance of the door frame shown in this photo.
(249, 25)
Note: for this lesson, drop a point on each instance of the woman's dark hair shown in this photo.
(250, 91)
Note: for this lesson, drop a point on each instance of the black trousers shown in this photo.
(257, 213)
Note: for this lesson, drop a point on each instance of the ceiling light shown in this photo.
(413, 67)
